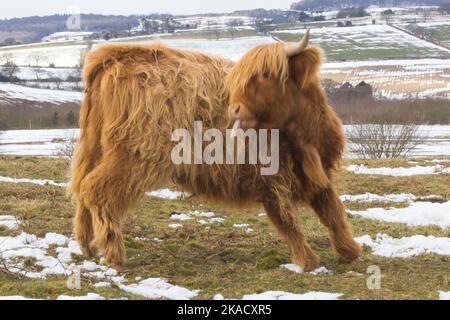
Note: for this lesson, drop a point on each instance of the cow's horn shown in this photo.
(294, 48)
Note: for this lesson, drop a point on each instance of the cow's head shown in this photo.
(273, 84)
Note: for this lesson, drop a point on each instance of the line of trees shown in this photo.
(69, 119)
(340, 4)
(28, 115)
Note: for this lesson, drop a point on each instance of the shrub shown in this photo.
(376, 141)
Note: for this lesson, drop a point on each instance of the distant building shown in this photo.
(363, 90)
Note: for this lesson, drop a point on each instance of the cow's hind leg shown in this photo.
(283, 215)
(331, 212)
(109, 192)
(83, 164)
(84, 231)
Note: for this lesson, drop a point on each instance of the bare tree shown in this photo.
(233, 27)
(66, 145)
(35, 59)
(76, 74)
(262, 25)
(9, 68)
(6, 57)
(426, 15)
(58, 81)
(213, 27)
(39, 73)
(376, 141)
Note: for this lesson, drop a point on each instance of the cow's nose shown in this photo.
(234, 110)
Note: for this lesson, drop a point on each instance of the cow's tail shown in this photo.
(88, 149)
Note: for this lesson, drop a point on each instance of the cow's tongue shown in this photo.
(236, 126)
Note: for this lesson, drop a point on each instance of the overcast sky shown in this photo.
(24, 8)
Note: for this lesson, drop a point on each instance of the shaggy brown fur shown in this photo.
(137, 95)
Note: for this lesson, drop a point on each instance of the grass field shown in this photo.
(371, 42)
(439, 31)
(219, 258)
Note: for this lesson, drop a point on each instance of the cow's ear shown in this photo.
(304, 67)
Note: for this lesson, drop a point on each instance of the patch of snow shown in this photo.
(29, 246)
(26, 245)
(203, 214)
(55, 238)
(370, 197)
(281, 295)
(167, 194)
(9, 222)
(33, 181)
(157, 288)
(181, 217)
(399, 172)
(321, 270)
(417, 214)
(241, 225)
(65, 253)
(14, 298)
(297, 269)
(141, 239)
(218, 297)
(102, 284)
(405, 247)
(292, 267)
(444, 295)
(175, 225)
(216, 219)
(89, 296)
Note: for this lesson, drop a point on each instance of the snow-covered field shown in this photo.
(48, 142)
(59, 55)
(228, 48)
(395, 79)
(368, 41)
(395, 63)
(68, 55)
(29, 73)
(439, 29)
(10, 92)
(375, 54)
(34, 142)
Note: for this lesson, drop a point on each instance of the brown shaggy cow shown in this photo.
(136, 95)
